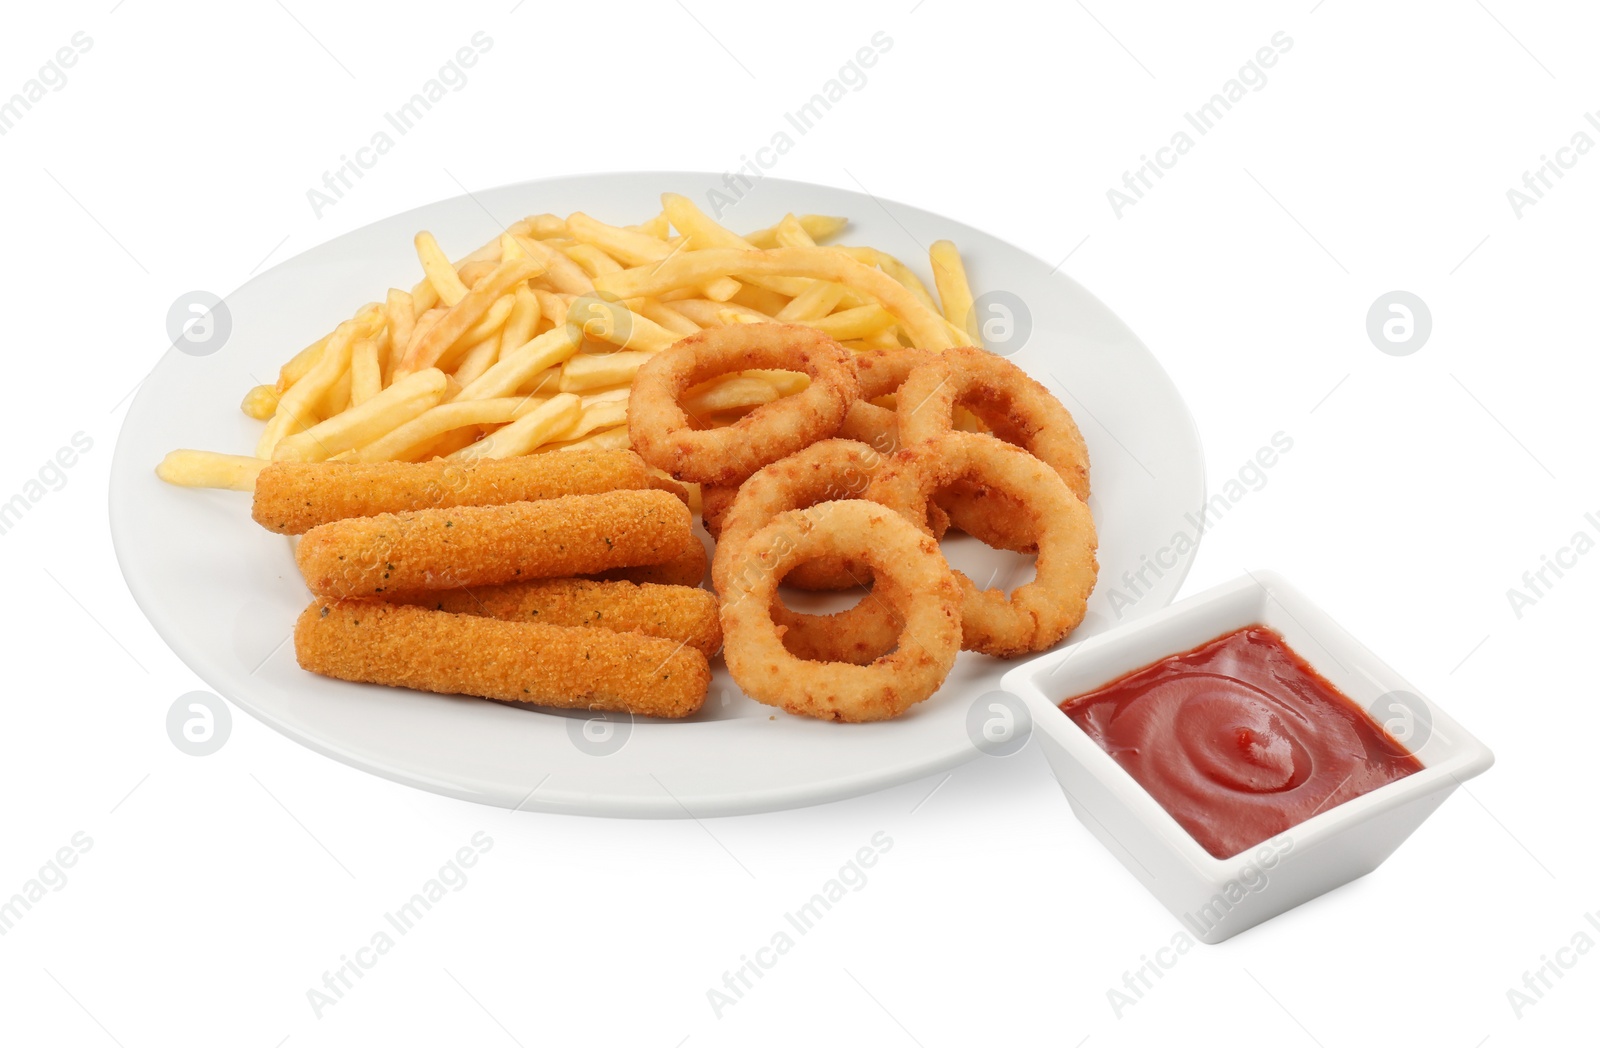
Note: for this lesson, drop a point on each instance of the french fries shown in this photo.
(531, 341)
(541, 425)
(210, 469)
(365, 423)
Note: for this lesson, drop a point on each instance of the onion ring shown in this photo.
(1017, 409)
(824, 472)
(660, 430)
(927, 598)
(880, 372)
(715, 502)
(857, 635)
(1036, 615)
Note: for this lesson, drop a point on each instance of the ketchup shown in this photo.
(1240, 739)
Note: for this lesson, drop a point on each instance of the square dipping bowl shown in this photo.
(1214, 898)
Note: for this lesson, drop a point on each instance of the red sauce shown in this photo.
(1240, 739)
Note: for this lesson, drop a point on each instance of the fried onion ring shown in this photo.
(1017, 409)
(660, 429)
(826, 471)
(858, 635)
(1036, 615)
(880, 372)
(715, 502)
(926, 595)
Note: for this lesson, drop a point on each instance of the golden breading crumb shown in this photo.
(485, 545)
(293, 497)
(676, 613)
(569, 667)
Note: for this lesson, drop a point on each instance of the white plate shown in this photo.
(225, 593)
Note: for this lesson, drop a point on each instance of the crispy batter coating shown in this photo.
(433, 549)
(294, 497)
(929, 606)
(1018, 410)
(688, 568)
(715, 502)
(569, 667)
(676, 613)
(826, 471)
(664, 435)
(1037, 614)
(880, 372)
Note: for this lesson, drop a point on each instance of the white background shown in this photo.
(1377, 157)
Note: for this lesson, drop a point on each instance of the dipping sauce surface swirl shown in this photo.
(1240, 739)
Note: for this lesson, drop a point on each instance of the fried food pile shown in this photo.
(832, 489)
(455, 461)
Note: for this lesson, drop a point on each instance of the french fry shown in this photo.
(702, 232)
(588, 371)
(516, 366)
(605, 440)
(541, 383)
(927, 329)
(593, 417)
(472, 272)
(728, 393)
(465, 312)
(626, 246)
(553, 305)
(813, 303)
(860, 322)
(477, 360)
(636, 249)
(366, 372)
(488, 328)
(337, 398)
(604, 321)
(787, 383)
(717, 314)
(955, 294)
(561, 272)
(593, 260)
(297, 405)
(667, 316)
(260, 402)
(792, 234)
(301, 363)
(884, 338)
(210, 469)
(405, 442)
(365, 423)
(526, 433)
(400, 313)
(657, 227)
(441, 274)
(607, 396)
(541, 227)
(523, 320)
(817, 227)
(491, 252)
(763, 300)
(897, 269)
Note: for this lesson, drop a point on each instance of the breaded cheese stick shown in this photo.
(676, 613)
(293, 497)
(688, 568)
(570, 667)
(431, 549)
